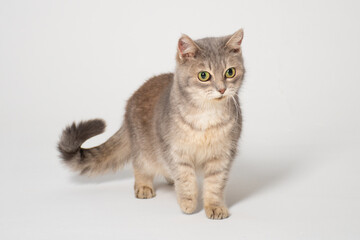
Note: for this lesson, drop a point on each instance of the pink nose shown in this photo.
(222, 90)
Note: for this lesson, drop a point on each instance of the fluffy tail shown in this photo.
(111, 155)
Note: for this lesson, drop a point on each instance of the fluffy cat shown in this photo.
(175, 124)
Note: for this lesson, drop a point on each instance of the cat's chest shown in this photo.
(203, 144)
(213, 135)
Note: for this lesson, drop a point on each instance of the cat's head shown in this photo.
(210, 69)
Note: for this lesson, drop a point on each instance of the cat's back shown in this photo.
(141, 105)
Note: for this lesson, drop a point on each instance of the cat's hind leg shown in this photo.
(143, 182)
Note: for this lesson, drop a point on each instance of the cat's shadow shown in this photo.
(120, 175)
(247, 178)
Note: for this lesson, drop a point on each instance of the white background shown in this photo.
(297, 172)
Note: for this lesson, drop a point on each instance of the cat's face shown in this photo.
(210, 69)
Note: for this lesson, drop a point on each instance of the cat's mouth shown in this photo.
(219, 98)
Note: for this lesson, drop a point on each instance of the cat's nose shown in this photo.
(222, 90)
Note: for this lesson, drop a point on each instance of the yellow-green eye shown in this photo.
(204, 76)
(230, 73)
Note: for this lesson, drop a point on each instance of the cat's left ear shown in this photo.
(187, 48)
(235, 40)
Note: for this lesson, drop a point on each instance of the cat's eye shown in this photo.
(204, 76)
(230, 73)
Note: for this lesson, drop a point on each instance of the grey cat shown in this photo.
(174, 125)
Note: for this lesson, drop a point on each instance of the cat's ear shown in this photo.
(234, 42)
(187, 48)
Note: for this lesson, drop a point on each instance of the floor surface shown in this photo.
(280, 192)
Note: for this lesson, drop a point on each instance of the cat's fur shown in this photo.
(174, 125)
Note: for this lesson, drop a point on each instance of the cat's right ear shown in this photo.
(187, 48)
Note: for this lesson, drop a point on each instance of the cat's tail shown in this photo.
(111, 155)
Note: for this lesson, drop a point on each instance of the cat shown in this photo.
(174, 125)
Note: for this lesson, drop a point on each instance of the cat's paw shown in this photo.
(144, 192)
(188, 205)
(216, 212)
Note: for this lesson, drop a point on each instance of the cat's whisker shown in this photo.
(236, 108)
(228, 103)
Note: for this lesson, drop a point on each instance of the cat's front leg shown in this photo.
(215, 177)
(185, 183)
